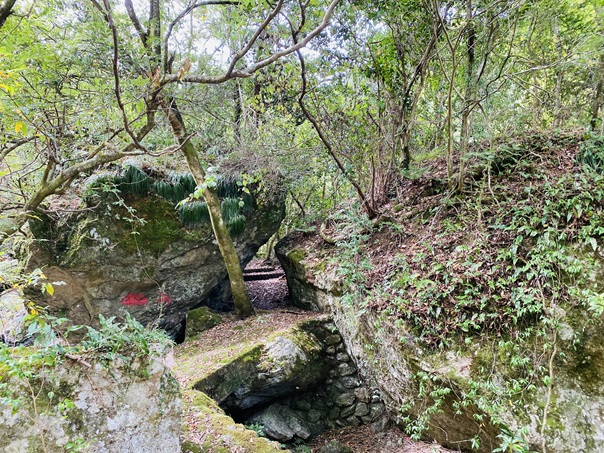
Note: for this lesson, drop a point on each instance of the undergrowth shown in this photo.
(495, 267)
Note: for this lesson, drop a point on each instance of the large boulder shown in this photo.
(137, 251)
(288, 361)
(453, 391)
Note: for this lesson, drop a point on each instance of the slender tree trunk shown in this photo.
(598, 97)
(243, 306)
(559, 77)
(6, 9)
(466, 121)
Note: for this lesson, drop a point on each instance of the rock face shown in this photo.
(12, 317)
(391, 358)
(285, 362)
(136, 253)
(125, 408)
(279, 422)
(206, 428)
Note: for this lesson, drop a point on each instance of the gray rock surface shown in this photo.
(289, 362)
(128, 408)
(12, 317)
(281, 423)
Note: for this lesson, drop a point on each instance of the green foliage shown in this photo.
(592, 154)
(125, 341)
(258, 428)
(193, 212)
(177, 188)
(133, 180)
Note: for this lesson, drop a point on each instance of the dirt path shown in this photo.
(362, 440)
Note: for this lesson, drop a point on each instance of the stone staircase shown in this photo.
(262, 273)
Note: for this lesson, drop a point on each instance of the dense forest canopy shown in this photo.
(333, 96)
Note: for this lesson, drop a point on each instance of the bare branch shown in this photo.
(232, 73)
(371, 212)
(5, 150)
(116, 78)
(183, 14)
(239, 55)
(142, 33)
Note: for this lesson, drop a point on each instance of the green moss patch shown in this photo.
(206, 428)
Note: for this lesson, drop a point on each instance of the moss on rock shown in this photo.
(201, 319)
(206, 428)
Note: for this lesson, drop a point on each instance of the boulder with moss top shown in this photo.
(133, 249)
(201, 319)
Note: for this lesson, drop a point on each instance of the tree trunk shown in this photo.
(243, 306)
(6, 9)
(595, 106)
(471, 81)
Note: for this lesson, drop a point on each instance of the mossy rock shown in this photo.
(201, 319)
(206, 428)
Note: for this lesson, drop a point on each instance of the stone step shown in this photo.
(265, 276)
(257, 270)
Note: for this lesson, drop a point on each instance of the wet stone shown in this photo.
(380, 425)
(330, 350)
(375, 410)
(339, 386)
(362, 394)
(333, 373)
(313, 416)
(333, 340)
(334, 413)
(347, 411)
(350, 382)
(366, 419)
(331, 360)
(302, 405)
(353, 421)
